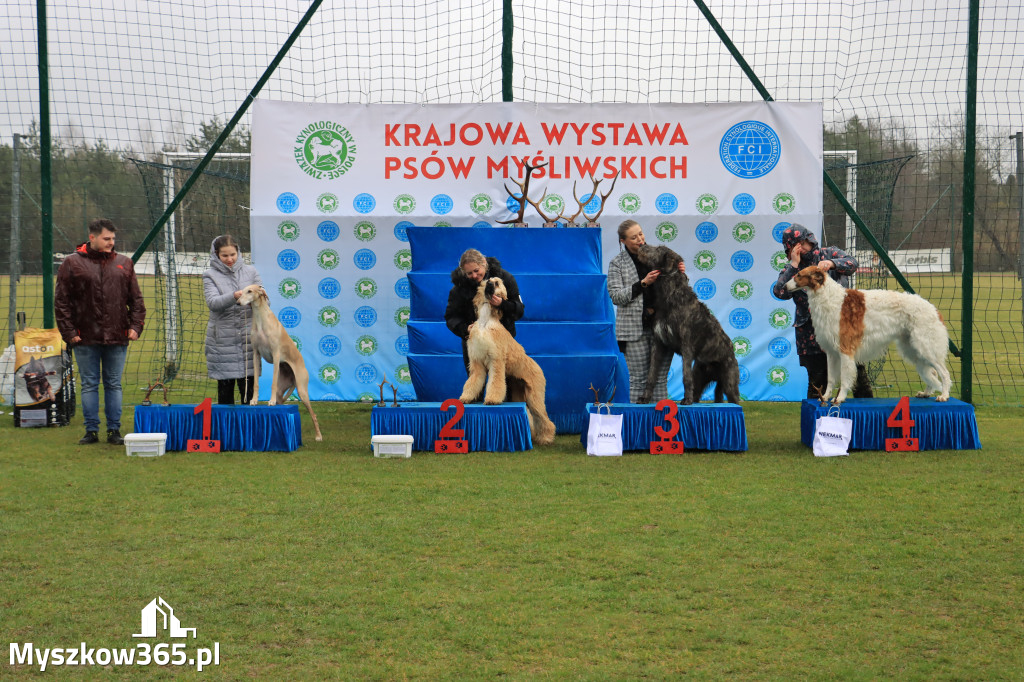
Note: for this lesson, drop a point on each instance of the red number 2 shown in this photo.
(447, 431)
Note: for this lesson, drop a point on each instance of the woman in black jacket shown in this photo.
(460, 315)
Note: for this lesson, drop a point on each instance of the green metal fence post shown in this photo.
(970, 136)
(507, 26)
(45, 172)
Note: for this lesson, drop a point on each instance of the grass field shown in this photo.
(998, 348)
(328, 564)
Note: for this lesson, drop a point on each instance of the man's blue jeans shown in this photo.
(94, 362)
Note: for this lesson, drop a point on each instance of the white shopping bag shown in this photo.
(604, 436)
(832, 435)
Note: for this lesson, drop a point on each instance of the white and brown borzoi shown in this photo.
(498, 359)
(271, 342)
(854, 326)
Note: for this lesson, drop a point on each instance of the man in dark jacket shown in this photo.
(803, 251)
(99, 310)
(460, 314)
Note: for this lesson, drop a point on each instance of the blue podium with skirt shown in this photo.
(949, 425)
(239, 428)
(703, 426)
(488, 428)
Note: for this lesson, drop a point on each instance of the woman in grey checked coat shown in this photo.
(629, 285)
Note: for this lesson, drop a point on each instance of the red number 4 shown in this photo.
(900, 419)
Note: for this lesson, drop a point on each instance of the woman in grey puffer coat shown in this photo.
(229, 333)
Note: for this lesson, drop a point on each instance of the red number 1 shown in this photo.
(204, 445)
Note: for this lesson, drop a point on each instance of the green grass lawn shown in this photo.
(326, 563)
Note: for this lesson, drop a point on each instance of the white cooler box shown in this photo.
(392, 446)
(145, 444)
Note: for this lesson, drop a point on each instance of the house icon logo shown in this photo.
(159, 613)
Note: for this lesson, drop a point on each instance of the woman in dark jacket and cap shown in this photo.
(803, 251)
(460, 314)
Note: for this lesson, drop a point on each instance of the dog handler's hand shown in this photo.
(651, 277)
(826, 265)
(495, 300)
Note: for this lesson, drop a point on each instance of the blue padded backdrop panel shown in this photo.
(568, 327)
(549, 296)
(521, 250)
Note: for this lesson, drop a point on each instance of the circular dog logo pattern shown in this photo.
(327, 203)
(288, 230)
(364, 230)
(741, 289)
(364, 259)
(289, 317)
(592, 203)
(779, 347)
(289, 288)
(402, 230)
(404, 204)
(328, 230)
(328, 287)
(325, 150)
(666, 203)
(666, 232)
(742, 261)
(780, 318)
(442, 204)
(403, 260)
(287, 202)
(402, 345)
(366, 288)
(402, 316)
(327, 259)
(297, 341)
(778, 230)
(330, 345)
(743, 204)
(288, 259)
(741, 346)
(705, 260)
(778, 375)
(740, 318)
(704, 288)
(783, 202)
(328, 316)
(480, 204)
(629, 203)
(779, 261)
(442, 223)
(365, 316)
(366, 373)
(744, 374)
(402, 374)
(707, 204)
(512, 203)
(402, 289)
(481, 223)
(329, 374)
(364, 203)
(743, 232)
(706, 232)
(750, 149)
(553, 204)
(366, 345)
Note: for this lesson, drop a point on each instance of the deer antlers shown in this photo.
(592, 221)
(525, 198)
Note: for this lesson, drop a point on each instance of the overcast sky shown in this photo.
(143, 74)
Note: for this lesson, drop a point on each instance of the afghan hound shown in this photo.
(499, 360)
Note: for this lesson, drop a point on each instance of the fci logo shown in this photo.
(325, 150)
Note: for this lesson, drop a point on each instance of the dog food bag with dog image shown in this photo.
(604, 436)
(43, 381)
(832, 435)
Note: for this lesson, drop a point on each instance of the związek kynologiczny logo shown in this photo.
(156, 615)
(325, 150)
